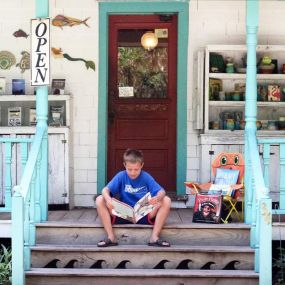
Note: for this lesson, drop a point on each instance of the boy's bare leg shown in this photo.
(105, 217)
(161, 215)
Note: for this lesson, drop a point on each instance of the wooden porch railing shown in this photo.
(258, 211)
(27, 205)
(9, 157)
(267, 146)
(258, 206)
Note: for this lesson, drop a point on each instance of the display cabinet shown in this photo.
(223, 98)
(23, 125)
(224, 90)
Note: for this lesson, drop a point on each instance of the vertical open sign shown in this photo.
(40, 53)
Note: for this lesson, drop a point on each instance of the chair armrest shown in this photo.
(194, 186)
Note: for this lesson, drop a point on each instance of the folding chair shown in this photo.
(228, 170)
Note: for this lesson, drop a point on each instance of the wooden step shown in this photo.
(49, 276)
(179, 234)
(143, 256)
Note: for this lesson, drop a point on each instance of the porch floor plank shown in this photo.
(56, 215)
(185, 216)
(89, 216)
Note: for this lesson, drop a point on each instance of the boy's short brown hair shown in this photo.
(133, 156)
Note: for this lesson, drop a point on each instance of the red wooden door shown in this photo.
(142, 94)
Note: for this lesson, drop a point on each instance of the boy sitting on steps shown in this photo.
(131, 185)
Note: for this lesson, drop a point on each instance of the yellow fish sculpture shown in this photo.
(61, 21)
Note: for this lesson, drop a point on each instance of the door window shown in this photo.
(142, 73)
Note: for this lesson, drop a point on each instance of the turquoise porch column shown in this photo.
(42, 11)
(252, 17)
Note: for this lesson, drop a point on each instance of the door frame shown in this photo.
(139, 7)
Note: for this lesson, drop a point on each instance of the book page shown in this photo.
(122, 210)
(223, 189)
(142, 207)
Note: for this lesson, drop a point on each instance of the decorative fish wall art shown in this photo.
(24, 61)
(20, 34)
(57, 53)
(61, 21)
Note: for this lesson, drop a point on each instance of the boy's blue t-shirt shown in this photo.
(131, 190)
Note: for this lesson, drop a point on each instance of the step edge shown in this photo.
(143, 273)
(131, 226)
(139, 248)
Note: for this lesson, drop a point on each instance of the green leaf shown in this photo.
(90, 64)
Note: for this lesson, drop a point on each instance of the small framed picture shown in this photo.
(57, 86)
(56, 116)
(33, 117)
(274, 92)
(14, 116)
(126, 92)
(2, 85)
(18, 86)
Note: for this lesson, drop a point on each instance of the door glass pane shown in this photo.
(142, 73)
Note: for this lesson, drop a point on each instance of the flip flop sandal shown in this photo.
(159, 243)
(106, 243)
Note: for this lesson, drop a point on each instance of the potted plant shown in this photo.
(5, 266)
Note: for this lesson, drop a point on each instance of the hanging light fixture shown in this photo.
(149, 40)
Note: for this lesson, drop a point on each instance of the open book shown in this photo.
(133, 214)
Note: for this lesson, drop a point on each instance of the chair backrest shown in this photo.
(229, 160)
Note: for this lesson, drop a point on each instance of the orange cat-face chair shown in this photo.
(228, 170)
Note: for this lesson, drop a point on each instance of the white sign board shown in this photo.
(40, 53)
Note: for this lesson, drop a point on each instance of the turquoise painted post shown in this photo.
(266, 161)
(42, 11)
(282, 177)
(42, 116)
(42, 8)
(255, 228)
(32, 227)
(265, 244)
(18, 238)
(38, 193)
(252, 17)
(8, 176)
(27, 255)
(253, 209)
(44, 179)
(24, 155)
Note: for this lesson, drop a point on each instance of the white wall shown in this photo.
(211, 22)
(82, 42)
